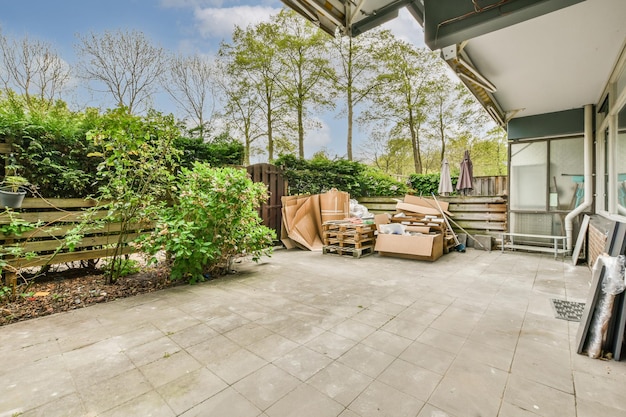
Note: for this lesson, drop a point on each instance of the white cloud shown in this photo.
(317, 139)
(405, 27)
(191, 3)
(220, 22)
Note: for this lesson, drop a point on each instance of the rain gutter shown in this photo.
(588, 175)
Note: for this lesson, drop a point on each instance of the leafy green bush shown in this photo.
(136, 173)
(54, 150)
(425, 184)
(221, 151)
(51, 147)
(378, 184)
(320, 175)
(213, 219)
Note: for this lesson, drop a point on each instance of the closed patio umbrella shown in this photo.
(466, 176)
(445, 182)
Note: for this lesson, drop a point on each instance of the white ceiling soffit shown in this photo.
(559, 61)
(353, 17)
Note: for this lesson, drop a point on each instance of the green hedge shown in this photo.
(427, 184)
(53, 149)
(320, 175)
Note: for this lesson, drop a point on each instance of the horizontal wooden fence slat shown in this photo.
(58, 217)
(490, 208)
(62, 203)
(90, 241)
(70, 257)
(497, 217)
(5, 148)
(55, 216)
(58, 231)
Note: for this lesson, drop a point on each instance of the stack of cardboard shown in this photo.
(303, 216)
(425, 236)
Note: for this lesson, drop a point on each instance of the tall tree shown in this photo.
(126, 63)
(400, 104)
(243, 112)
(444, 99)
(357, 71)
(33, 69)
(307, 83)
(251, 67)
(190, 82)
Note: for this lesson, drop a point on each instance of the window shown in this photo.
(546, 183)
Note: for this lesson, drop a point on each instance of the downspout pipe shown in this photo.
(588, 175)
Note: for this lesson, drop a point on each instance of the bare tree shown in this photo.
(190, 82)
(32, 68)
(126, 63)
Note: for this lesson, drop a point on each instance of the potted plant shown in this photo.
(12, 191)
(13, 187)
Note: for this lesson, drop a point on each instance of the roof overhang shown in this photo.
(353, 17)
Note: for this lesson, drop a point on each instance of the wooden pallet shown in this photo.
(348, 235)
(352, 251)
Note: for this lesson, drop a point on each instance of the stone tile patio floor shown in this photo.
(309, 335)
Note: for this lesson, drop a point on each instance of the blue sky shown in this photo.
(186, 26)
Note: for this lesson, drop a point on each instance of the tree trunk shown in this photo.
(350, 103)
(300, 131)
(443, 136)
(270, 132)
(350, 116)
(415, 144)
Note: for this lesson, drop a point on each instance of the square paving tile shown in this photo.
(305, 401)
(339, 382)
(227, 403)
(266, 386)
(538, 398)
(302, 362)
(410, 379)
(366, 360)
(191, 389)
(381, 400)
(470, 388)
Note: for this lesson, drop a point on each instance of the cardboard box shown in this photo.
(428, 203)
(420, 247)
(425, 247)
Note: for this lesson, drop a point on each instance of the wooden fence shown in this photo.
(477, 215)
(272, 176)
(490, 186)
(57, 217)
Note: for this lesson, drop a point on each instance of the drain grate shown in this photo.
(568, 310)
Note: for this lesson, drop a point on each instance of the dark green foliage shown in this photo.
(221, 151)
(51, 147)
(425, 184)
(320, 175)
(55, 152)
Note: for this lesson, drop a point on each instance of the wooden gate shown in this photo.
(272, 176)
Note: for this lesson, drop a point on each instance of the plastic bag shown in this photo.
(358, 210)
(392, 229)
(612, 284)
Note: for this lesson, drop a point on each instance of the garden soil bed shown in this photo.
(78, 288)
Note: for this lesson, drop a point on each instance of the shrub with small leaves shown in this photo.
(213, 219)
